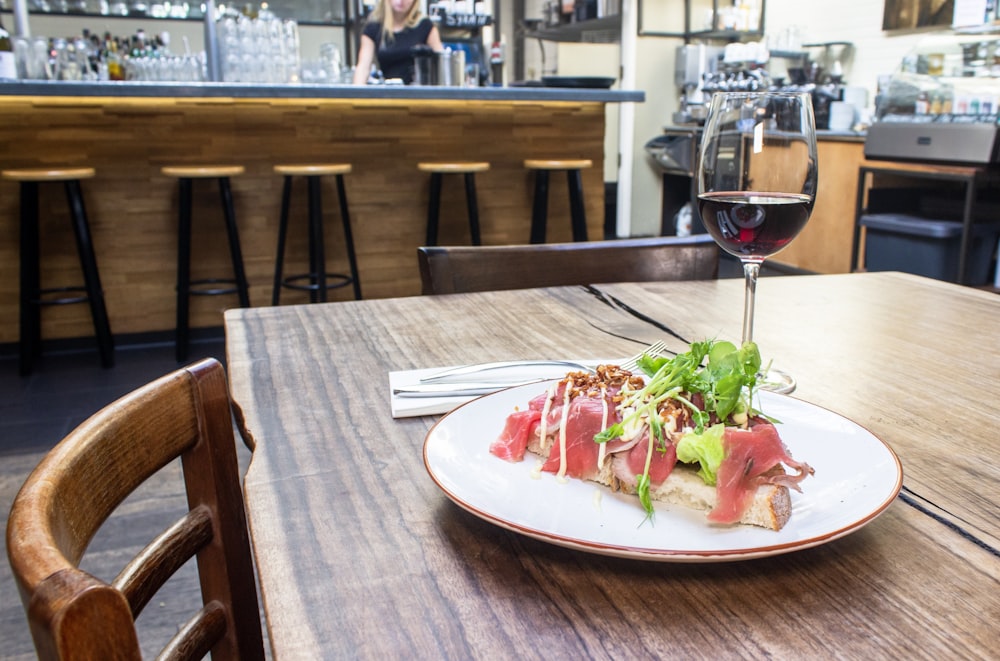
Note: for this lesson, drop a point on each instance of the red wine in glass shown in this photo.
(750, 224)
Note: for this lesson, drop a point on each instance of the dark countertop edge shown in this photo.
(821, 134)
(303, 91)
(841, 136)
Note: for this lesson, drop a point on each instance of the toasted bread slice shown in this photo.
(770, 508)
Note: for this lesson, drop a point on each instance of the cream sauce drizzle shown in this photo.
(536, 472)
(561, 475)
(603, 449)
(543, 428)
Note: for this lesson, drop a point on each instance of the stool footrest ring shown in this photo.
(339, 280)
(213, 291)
(67, 300)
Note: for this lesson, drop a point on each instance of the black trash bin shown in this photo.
(912, 244)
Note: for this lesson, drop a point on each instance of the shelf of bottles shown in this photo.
(8, 65)
(261, 48)
(94, 57)
(310, 12)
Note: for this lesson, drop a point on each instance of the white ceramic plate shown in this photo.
(857, 477)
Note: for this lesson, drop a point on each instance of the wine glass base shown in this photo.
(776, 381)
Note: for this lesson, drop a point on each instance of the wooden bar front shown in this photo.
(133, 207)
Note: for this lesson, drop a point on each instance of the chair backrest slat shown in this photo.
(146, 573)
(197, 636)
(461, 269)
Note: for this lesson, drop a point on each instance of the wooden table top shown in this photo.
(361, 555)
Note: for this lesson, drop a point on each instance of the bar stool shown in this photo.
(32, 293)
(317, 276)
(438, 170)
(186, 288)
(539, 211)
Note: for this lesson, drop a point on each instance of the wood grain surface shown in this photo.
(133, 206)
(824, 245)
(360, 555)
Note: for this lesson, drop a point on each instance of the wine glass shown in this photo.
(757, 184)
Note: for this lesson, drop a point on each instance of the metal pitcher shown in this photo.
(451, 70)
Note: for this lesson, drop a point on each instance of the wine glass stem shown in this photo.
(751, 269)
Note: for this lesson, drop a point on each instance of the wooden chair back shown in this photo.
(69, 495)
(460, 269)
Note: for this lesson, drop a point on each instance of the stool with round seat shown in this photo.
(539, 211)
(318, 277)
(186, 288)
(32, 293)
(437, 172)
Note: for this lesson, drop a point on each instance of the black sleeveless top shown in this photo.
(395, 58)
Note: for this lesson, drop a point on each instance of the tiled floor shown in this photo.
(66, 387)
(35, 413)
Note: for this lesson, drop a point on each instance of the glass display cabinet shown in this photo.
(942, 102)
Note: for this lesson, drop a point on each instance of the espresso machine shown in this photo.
(692, 65)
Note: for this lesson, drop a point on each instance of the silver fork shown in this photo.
(467, 370)
(652, 350)
(432, 387)
(486, 367)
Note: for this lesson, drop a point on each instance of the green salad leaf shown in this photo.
(706, 449)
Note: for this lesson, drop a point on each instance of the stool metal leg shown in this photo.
(286, 199)
(91, 276)
(433, 209)
(470, 199)
(242, 288)
(575, 184)
(317, 254)
(183, 267)
(348, 236)
(539, 210)
(31, 315)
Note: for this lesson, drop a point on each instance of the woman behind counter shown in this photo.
(389, 36)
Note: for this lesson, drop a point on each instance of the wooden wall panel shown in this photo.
(824, 246)
(133, 208)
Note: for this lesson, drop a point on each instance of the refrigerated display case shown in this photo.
(941, 105)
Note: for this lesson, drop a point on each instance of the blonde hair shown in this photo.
(383, 16)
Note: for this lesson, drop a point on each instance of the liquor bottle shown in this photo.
(114, 61)
(8, 68)
(496, 64)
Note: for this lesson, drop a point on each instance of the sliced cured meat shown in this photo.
(512, 442)
(631, 463)
(584, 420)
(751, 455)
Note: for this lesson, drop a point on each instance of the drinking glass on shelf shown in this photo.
(757, 184)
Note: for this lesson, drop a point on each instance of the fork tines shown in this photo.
(652, 350)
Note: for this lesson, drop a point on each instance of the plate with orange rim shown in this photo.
(857, 476)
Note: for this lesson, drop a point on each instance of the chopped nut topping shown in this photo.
(607, 376)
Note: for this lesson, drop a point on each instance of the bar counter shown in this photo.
(129, 131)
